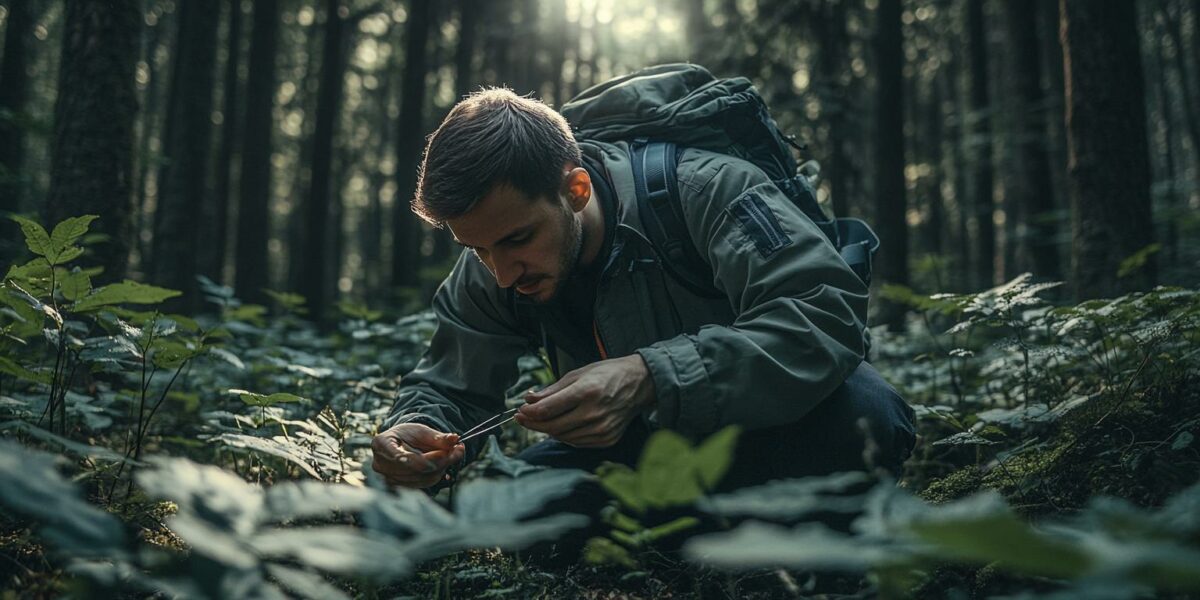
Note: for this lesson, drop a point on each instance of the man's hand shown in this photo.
(414, 455)
(590, 407)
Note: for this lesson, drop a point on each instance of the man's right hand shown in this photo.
(414, 455)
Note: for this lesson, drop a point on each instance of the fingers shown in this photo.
(426, 438)
(534, 396)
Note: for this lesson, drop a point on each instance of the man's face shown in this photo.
(526, 243)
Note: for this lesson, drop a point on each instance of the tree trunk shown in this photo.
(410, 137)
(14, 91)
(215, 263)
(255, 190)
(91, 164)
(184, 173)
(464, 55)
(1171, 19)
(146, 158)
(831, 62)
(1164, 129)
(1108, 167)
(890, 201)
(979, 147)
(305, 101)
(1029, 182)
(320, 278)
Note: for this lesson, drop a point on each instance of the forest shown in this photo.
(214, 287)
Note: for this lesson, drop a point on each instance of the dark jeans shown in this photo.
(827, 440)
(831, 438)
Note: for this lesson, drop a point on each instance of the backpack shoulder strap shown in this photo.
(659, 207)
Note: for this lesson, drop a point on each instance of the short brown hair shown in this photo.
(492, 137)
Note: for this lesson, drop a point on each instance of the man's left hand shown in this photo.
(590, 407)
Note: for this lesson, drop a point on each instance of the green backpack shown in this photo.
(661, 110)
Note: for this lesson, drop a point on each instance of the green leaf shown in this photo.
(67, 255)
(75, 284)
(12, 368)
(512, 499)
(126, 292)
(714, 456)
(36, 238)
(66, 233)
(338, 549)
(278, 446)
(308, 499)
(30, 485)
(602, 551)
(260, 400)
(808, 546)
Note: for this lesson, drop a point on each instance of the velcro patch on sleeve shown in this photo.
(759, 224)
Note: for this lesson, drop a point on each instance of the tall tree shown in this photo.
(320, 275)
(831, 62)
(979, 136)
(14, 90)
(214, 266)
(464, 55)
(890, 196)
(183, 177)
(1030, 182)
(91, 164)
(255, 190)
(1108, 166)
(410, 138)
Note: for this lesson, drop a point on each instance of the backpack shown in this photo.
(663, 109)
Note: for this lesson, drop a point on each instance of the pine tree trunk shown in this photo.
(410, 136)
(979, 148)
(890, 197)
(1108, 168)
(14, 91)
(1029, 182)
(464, 55)
(319, 280)
(183, 177)
(255, 190)
(231, 126)
(91, 165)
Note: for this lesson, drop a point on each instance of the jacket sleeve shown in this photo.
(800, 310)
(471, 360)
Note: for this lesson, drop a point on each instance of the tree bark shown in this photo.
(464, 55)
(979, 148)
(1108, 167)
(231, 126)
(184, 173)
(320, 278)
(1029, 182)
(14, 91)
(890, 196)
(255, 190)
(410, 136)
(91, 164)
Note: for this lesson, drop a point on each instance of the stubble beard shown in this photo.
(569, 259)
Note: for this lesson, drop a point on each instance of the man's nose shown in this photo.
(507, 272)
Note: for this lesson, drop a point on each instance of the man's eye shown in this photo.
(520, 239)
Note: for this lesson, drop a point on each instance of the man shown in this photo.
(558, 258)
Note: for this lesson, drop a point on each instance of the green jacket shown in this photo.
(789, 329)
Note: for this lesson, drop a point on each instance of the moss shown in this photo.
(959, 484)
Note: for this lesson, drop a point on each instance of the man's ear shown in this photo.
(578, 186)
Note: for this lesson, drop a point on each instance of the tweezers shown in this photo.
(489, 424)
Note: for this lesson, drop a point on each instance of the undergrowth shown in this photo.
(225, 455)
